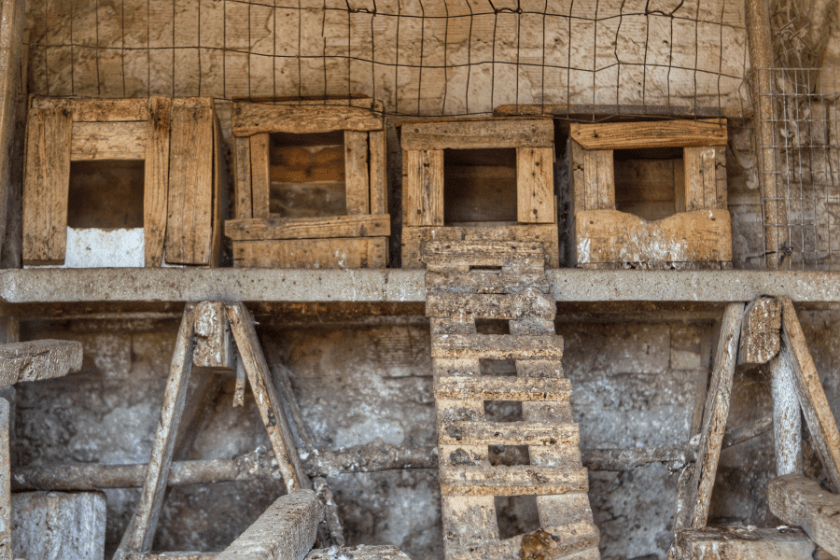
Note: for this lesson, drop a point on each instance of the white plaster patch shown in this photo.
(105, 248)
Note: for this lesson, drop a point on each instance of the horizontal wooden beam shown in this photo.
(477, 134)
(650, 134)
(254, 118)
(91, 110)
(801, 502)
(261, 229)
(38, 359)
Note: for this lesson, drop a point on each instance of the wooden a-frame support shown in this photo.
(141, 529)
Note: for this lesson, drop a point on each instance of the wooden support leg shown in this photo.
(141, 530)
(699, 494)
(787, 420)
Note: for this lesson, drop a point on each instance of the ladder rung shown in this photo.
(504, 388)
(471, 432)
(519, 480)
(497, 346)
(550, 542)
(531, 304)
(485, 282)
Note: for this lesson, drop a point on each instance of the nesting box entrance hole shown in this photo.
(106, 194)
(479, 185)
(649, 182)
(307, 175)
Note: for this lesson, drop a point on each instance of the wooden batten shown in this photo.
(599, 180)
(704, 187)
(359, 252)
(423, 198)
(98, 110)
(248, 119)
(260, 175)
(378, 172)
(46, 181)
(535, 203)
(651, 134)
(475, 134)
(189, 221)
(156, 183)
(242, 176)
(256, 229)
(357, 179)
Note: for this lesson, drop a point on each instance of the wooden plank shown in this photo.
(220, 192)
(285, 531)
(268, 403)
(760, 338)
(357, 181)
(742, 543)
(189, 221)
(577, 540)
(801, 502)
(423, 190)
(109, 140)
(714, 421)
(488, 388)
(359, 552)
(516, 480)
(598, 180)
(98, 110)
(821, 423)
(474, 134)
(141, 529)
(576, 160)
(6, 549)
(46, 186)
(359, 252)
(413, 238)
(652, 134)
(213, 342)
(529, 304)
(720, 178)
(485, 282)
(38, 359)
(471, 432)
(535, 200)
(498, 347)
(700, 178)
(308, 228)
(483, 253)
(609, 236)
(248, 119)
(156, 181)
(242, 171)
(260, 175)
(787, 418)
(377, 143)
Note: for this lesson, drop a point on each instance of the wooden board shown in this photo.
(308, 228)
(242, 176)
(360, 252)
(423, 188)
(357, 181)
(38, 359)
(651, 134)
(535, 200)
(156, 181)
(760, 338)
(702, 179)
(98, 110)
(474, 134)
(109, 140)
(608, 236)
(221, 180)
(414, 237)
(260, 175)
(801, 502)
(253, 118)
(743, 544)
(598, 180)
(189, 221)
(46, 186)
(378, 172)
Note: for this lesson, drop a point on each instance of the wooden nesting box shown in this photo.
(478, 179)
(98, 170)
(659, 212)
(311, 185)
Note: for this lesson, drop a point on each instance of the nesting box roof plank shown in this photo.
(253, 118)
(475, 134)
(650, 134)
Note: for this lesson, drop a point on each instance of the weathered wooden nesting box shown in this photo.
(122, 182)
(649, 195)
(311, 185)
(478, 179)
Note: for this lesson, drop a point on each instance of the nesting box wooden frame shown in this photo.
(356, 240)
(177, 138)
(423, 144)
(604, 238)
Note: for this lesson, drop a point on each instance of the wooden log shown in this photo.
(260, 175)
(423, 188)
(652, 134)
(242, 173)
(156, 180)
(477, 134)
(38, 359)
(470, 432)
(801, 502)
(608, 236)
(714, 421)
(213, 341)
(286, 531)
(535, 200)
(268, 401)
(189, 221)
(787, 418)
(821, 423)
(141, 529)
(531, 304)
(358, 552)
(46, 186)
(357, 178)
(98, 110)
(566, 541)
(248, 119)
(742, 544)
(487, 388)
(109, 140)
(517, 480)
(336, 252)
(257, 229)
(378, 172)
(6, 550)
(760, 338)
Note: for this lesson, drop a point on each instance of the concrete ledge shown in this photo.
(397, 286)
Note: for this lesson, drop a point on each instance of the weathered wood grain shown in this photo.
(651, 134)
(242, 173)
(801, 502)
(98, 110)
(787, 418)
(760, 338)
(485, 282)
(574, 540)
(498, 347)
(308, 228)
(516, 480)
(6, 550)
(703, 178)
(213, 341)
(480, 133)
(423, 191)
(260, 175)
(46, 186)
(503, 388)
(742, 544)
(378, 172)
(598, 180)
(38, 359)
(358, 552)
(109, 140)
(351, 252)
(471, 432)
(481, 253)
(156, 181)
(357, 179)
(535, 201)
(528, 304)
(254, 118)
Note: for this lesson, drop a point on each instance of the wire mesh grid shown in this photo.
(419, 57)
(801, 167)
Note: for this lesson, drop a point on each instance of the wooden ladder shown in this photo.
(507, 282)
